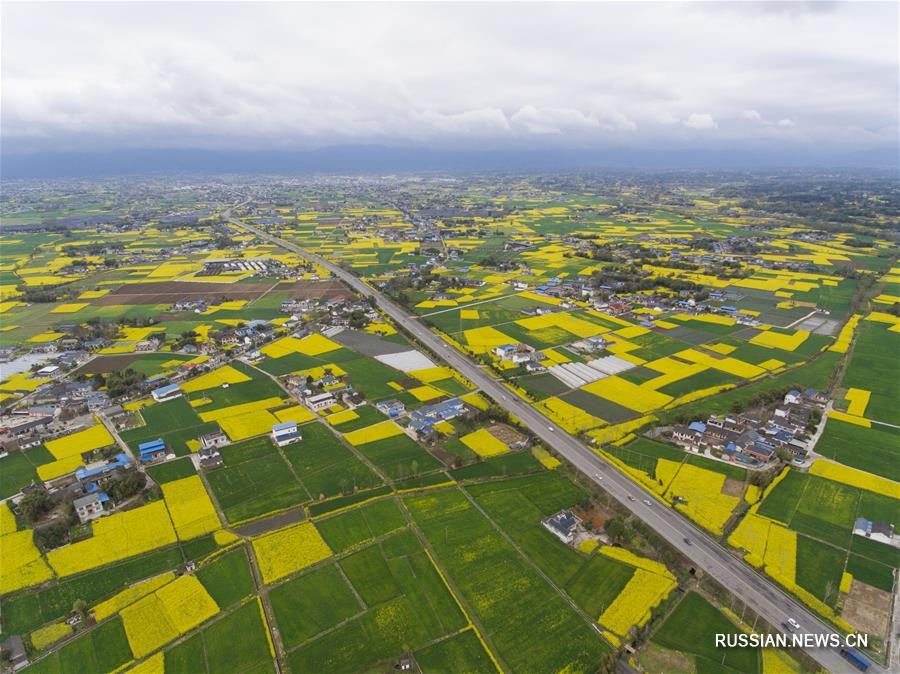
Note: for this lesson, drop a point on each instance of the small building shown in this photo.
(286, 433)
(210, 459)
(562, 525)
(320, 401)
(214, 439)
(98, 469)
(90, 507)
(168, 392)
(392, 408)
(18, 656)
(154, 450)
(877, 531)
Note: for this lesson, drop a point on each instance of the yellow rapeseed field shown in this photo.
(192, 511)
(429, 375)
(483, 443)
(78, 443)
(570, 418)
(341, 417)
(243, 408)
(164, 615)
(855, 478)
(119, 536)
(129, 595)
(842, 343)
(69, 308)
(775, 340)
(21, 564)
(425, 393)
(643, 592)
(379, 431)
(223, 375)
(859, 400)
(295, 413)
(155, 664)
(248, 424)
(282, 552)
(702, 491)
(45, 636)
(312, 345)
(626, 394)
(546, 458)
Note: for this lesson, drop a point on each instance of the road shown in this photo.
(762, 595)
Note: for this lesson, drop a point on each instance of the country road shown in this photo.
(772, 603)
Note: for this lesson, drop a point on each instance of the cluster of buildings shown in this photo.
(519, 355)
(752, 442)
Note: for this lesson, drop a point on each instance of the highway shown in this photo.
(761, 594)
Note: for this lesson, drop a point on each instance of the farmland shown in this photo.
(325, 493)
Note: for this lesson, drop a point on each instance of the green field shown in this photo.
(227, 578)
(359, 525)
(101, 650)
(874, 450)
(691, 629)
(255, 480)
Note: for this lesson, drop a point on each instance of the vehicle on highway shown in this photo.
(550, 427)
(793, 625)
(688, 541)
(855, 658)
(631, 498)
(647, 501)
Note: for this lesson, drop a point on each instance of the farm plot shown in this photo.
(874, 367)
(530, 625)
(255, 480)
(361, 525)
(690, 629)
(104, 649)
(239, 642)
(407, 605)
(175, 422)
(326, 466)
(396, 456)
(227, 579)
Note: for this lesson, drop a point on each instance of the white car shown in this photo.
(793, 624)
(647, 502)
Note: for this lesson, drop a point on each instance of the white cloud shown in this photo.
(785, 123)
(105, 75)
(701, 120)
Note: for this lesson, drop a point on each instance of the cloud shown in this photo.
(281, 75)
(785, 123)
(701, 120)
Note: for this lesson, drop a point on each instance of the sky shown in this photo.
(261, 76)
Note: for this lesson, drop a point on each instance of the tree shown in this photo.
(617, 530)
(52, 536)
(126, 485)
(35, 505)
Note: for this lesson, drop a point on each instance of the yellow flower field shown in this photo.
(855, 478)
(483, 443)
(22, 382)
(626, 394)
(155, 664)
(341, 417)
(547, 460)
(248, 424)
(282, 552)
(846, 335)
(43, 337)
(570, 418)
(609, 434)
(429, 375)
(426, 393)
(76, 444)
(92, 294)
(190, 507)
(223, 375)
(169, 612)
(775, 340)
(643, 592)
(69, 308)
(849, 418)
(482, 340)
(379, 431)
(7, 520)
(312, 345)
(475, 399)
(46, 636)
(846, 582)
(859, 400)
(702, 491)
(21, 564)
(129, 595)
(728, 364)
(243, 408)
(119, 536)
(295, 413)
(55, 469)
